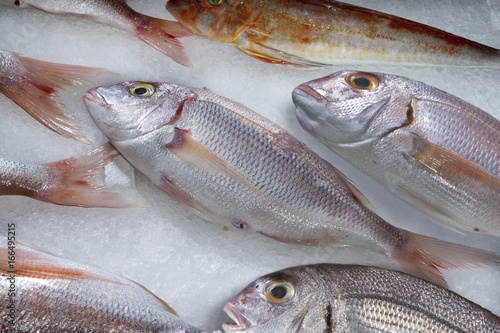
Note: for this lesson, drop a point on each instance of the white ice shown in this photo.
(192, 264)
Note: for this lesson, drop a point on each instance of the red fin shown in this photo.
(35, 91)
(198, 156)
(75, 181)
(162, 35)
(421, 256)
(32, 264)
(448, 164)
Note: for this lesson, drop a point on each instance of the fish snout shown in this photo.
(306, 91)
(240, 322)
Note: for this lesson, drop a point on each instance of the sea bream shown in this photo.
(75, 181)
(228, 164)
(435, 151)
(321, 32)
(34, 86)
(43, 293)
(352, 299)
(158, 33)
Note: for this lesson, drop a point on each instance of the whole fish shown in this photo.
(34, 84)
(158, 33)
(45, 294)
(351, 298)
(435, 151)
(320, 32)
(70, 182)
(228, 164)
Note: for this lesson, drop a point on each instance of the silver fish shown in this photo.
(34, 86)
(350, 298)
(228, 164)
(158, 33)
(44, 293)
(70, 182)
(435, 151)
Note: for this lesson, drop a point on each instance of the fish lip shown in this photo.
(308, 91)
(240, 322)
(94, 97)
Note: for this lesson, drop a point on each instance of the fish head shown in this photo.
(352, 108)
(15, 3)
(132, 109)
(221, 20)
(285, 301)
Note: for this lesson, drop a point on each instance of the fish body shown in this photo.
(70, 182)
(51, 294)
(158, 33)
(351, 298)
(34, 86)
(435, 151)
(228, 164)
(320, 32)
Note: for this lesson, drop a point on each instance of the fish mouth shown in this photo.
(306, 91)
(240, 322)
(94, 97)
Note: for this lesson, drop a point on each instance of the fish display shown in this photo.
(158, 33)
(70, 182)
(433, 150)
(34, 85)
(228, 164)
(44, 293)
(321, 32)
(352, 298)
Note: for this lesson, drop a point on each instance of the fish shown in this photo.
(228, 164)
(431, 149)
(352, 298)
(34, 86)
(311, 33)
(160, 34)
(71, 182)
(46, 293)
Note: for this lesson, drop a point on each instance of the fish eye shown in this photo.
(279, 291)
(215, 2)
(142, 89)
(363, 81)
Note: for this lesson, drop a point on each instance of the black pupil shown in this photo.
(362, 82)
(140, 91)
(278, 292)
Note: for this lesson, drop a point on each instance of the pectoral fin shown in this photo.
(447, 164)
(200, 157)
(270, 55)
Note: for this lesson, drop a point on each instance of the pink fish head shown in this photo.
(350, 107)
(132, 109)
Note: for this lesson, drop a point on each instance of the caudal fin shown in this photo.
(35, 90)
(75, 182)
(422, 256)
(162, 35)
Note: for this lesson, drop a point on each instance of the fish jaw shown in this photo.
(240, 322)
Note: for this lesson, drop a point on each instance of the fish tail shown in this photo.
(422, 256)
(163, 35)
(36, 93)
(76, 181)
